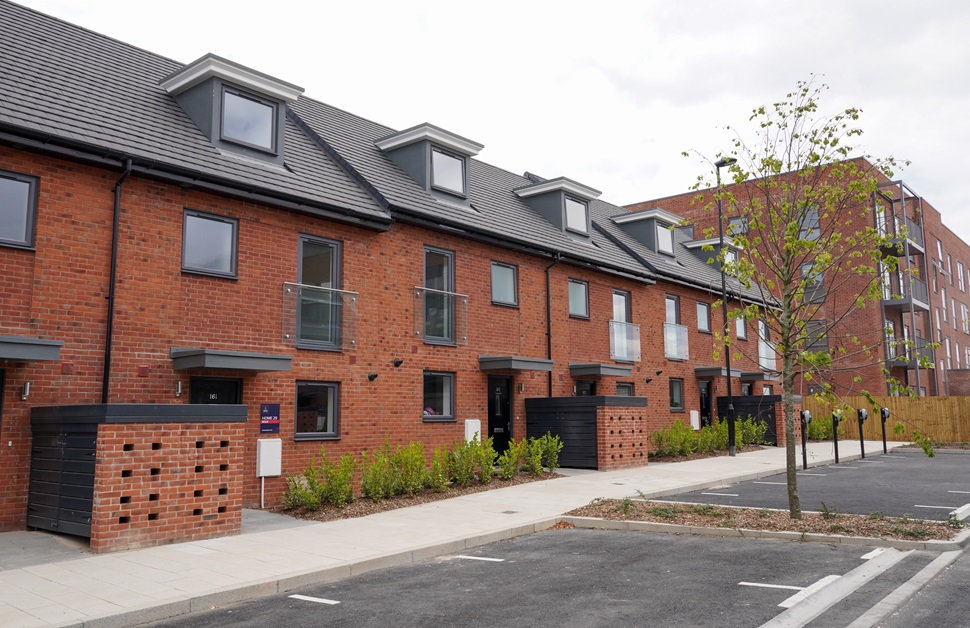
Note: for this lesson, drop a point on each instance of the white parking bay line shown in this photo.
(804, 593)
(318, 600)
(843, 466)
(491, 560)
(722, 494)
(960, 492)
(770, 586)
(775, 483)
(816, 474)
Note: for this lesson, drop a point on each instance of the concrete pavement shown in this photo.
(64, 586)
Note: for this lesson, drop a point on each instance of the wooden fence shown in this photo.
(943, 419)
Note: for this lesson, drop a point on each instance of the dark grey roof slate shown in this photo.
(76, 85)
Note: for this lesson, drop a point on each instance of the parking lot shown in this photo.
(908, 484)
(597, 578)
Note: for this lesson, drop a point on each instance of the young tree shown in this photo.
(808, 239)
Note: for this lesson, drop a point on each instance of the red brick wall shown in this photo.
(158, 483)
(623, 437)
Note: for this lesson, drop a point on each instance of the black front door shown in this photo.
(218, 390)
(500, 411)
(705, 388)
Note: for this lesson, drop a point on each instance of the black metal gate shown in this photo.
(760, 407)
(62, 464)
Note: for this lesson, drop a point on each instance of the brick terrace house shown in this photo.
(926, 302)
(201, 265)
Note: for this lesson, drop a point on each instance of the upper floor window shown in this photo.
(737, 225)
(576, 215)
(813, 283)
(703, 317)
(672, 307)
(939, 250)
(741, 328)
(960, 277)
(949, 268)
(319, 308)
(665, 238)
(504, 284)
(808, 228)
(447, 171)
(815, 336)
(943, 299)
(18, 207)
(439, 297)
(249, 120)
(578, 298)
(209, 243)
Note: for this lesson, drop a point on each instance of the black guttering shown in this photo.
(325, 146)
(112, 280)
(106, 157)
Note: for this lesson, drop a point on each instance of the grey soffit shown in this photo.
(760, 376)
(513, 363)
(137, 413)
(183, 359)
(715, 371)
(597, 370)
(26, 349)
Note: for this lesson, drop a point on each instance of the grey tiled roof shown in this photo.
(76, 85)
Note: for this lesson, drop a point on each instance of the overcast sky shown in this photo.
(606, 93)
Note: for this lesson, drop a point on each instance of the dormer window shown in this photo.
(665, 238)
(248, 120)
(239, 109)
(435, 159)
(447, 171)
(576, 216)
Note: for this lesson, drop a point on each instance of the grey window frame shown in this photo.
(439, 418)
(336, 314)
(670, 389)
(816, 338)
(463, 193)
(515, 283)
(565, 208)
(30, 213)
(275, 116)
(737, 225)
(814, 288)
(706, 307)
(676, 300)
(449, 288)
(810, 224)
(627, 385)
(234, 268)
(334, 434)
(579, 282)
(741, 328)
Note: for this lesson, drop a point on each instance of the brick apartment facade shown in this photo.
(150, 260)
(934, 308)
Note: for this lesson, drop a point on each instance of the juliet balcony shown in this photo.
(624, 342)
(319, 318)
(675, 342)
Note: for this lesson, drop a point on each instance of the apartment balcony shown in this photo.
(911, 290)
(624, 342)
(319, 318)
(899, 230)
(901, 353)
(440, 317)
(675, 342)
(766, 355)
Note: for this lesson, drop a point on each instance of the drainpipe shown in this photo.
(109, 324)
(549, 316)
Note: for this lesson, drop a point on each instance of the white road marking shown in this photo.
(873, 553)
(722, 494)
(318, 600)
(491, 560)
(936, 507)
(801, 595)
(823, 599)
(842, 466)
(775, 483)
(960, 492)
(770, 586)
(816, 474)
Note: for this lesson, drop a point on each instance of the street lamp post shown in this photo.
(732, 438)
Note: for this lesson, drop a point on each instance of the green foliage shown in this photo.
(677, 439)
(624, 506)
(821, 429)
(954, 522)
(828, 513)
(437, 478)
(551, 446)
(299, 495)
(508, 460)
(338, 480)
(534, 449)
(924, 443)
(752, 431)
(409, 469)
(464, 457)
(377, 477)
(664, 512)
(486, 460)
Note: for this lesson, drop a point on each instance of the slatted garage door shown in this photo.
(62, 477)
(573, 420)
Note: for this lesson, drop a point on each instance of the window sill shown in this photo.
(513, 306)
(312, 347)
(673, 359)
(210, 273)
(18, 245)
(443, 419)
(677, 410)
(579, 317)
(302, 437)
(440, 342)
(702, 331)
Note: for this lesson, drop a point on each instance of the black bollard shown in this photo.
(806, 419)
(836, 419)
(885, 415)
(863, 415)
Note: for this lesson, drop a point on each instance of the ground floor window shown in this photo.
(676, 394)
(439, 396)
(624, 389)
(317, 410)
